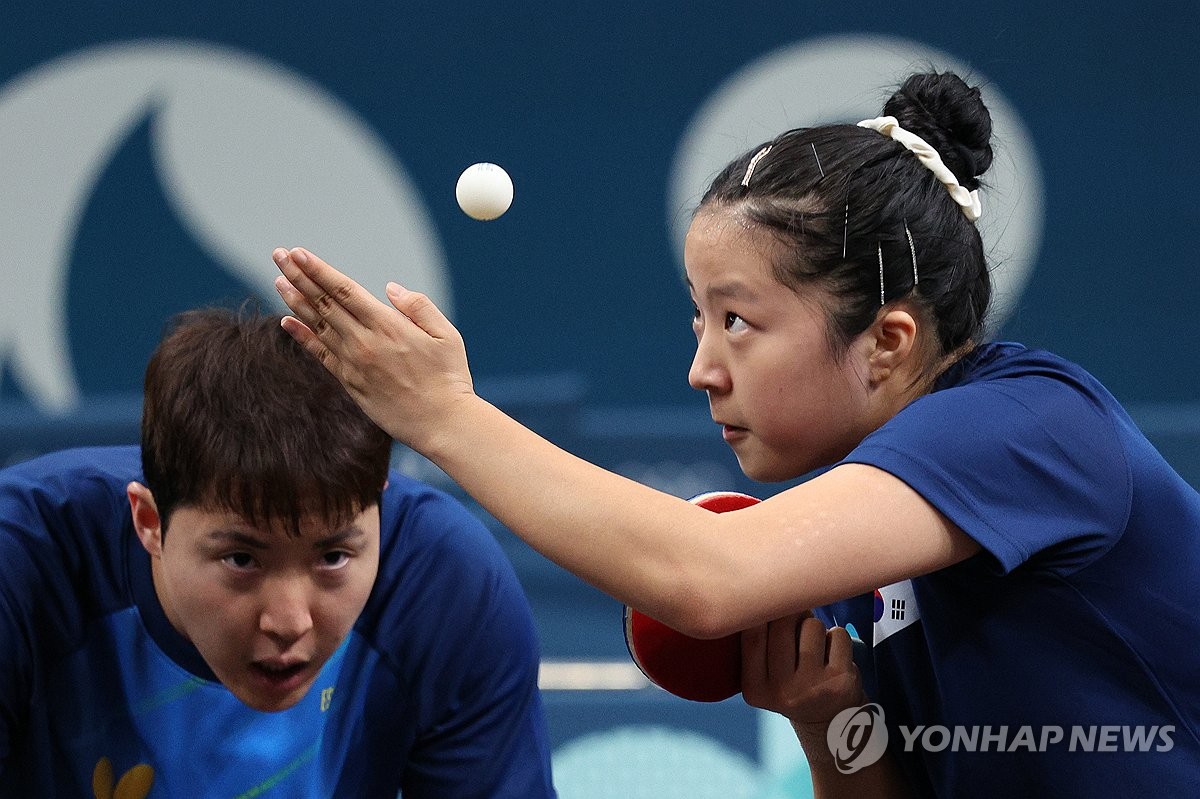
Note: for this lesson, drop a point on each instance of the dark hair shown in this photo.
(836, 195)
(237, 417)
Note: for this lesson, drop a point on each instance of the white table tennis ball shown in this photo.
(484, 191)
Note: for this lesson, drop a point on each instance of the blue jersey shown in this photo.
(1061, 660)
(434, 692)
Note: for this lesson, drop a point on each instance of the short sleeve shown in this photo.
(57, 522)
(1031, 467)
(16, 652)
(460, 629)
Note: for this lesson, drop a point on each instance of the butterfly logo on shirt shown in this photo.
(134, 784)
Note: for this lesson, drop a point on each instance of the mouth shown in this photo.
(733, 433)
(280, 676)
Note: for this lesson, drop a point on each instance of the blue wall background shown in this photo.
(571, 303)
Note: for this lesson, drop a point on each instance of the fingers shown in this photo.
(754, 655)
(298, 328)
(321, 296)
(796, 667)
(775, 650)
(291, 296)
(306, 338)
(421, 310)
(784, 644)
(810, 646)
(795, 644)
(839, 648)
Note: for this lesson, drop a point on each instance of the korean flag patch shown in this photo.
(895, 609)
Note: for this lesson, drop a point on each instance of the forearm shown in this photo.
(646, 548)
(703, 573)
(880, 780)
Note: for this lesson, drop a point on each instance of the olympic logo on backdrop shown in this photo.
(857, 737)
(249, 154)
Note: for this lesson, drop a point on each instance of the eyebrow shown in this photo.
(235, 537)
(732, 289)
(351, 534)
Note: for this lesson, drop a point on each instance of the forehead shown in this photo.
(202, 521)
(729, 258)
(725, 241)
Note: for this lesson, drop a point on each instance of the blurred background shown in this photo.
(153, 153)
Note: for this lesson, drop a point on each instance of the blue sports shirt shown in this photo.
(434, 691)
(1063, 659)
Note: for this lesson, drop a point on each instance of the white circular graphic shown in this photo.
(857, 737)
(250, 155)
(652, 761)
(847, 79)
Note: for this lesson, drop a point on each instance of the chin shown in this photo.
(270, 700)
(267, 704)
(764, 470)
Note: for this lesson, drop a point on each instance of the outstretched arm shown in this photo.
(703, 573)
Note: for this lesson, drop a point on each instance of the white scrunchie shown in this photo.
(890, 127)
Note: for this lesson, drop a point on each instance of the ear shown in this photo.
(895, 343)
(146, 521)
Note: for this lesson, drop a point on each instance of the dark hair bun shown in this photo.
(944, 111)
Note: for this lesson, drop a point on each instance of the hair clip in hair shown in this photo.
(890, 127)
(817, 158)
(912, 248)
(882, 295)
(754, 163)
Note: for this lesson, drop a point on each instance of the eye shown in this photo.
(734, 323)
(239, 561)
(335, 559)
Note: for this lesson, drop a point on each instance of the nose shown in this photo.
(707, 373)
(287, 611)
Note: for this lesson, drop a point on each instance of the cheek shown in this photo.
(342, 608)
(199, 598)
(221, 626)
(362, 589)
(811, 407)
(189, 591)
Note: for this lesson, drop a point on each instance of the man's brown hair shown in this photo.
(237, 417)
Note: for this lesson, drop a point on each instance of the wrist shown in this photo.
(813, 738)
(439, 436)
(814, 734)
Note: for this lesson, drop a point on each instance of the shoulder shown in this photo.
(1014, 367)
(66, 495)
(1004, 390)
(447, 609)
(64, 526)
(82, 473)
(1023, 450)
(438, 563)
(420, 522)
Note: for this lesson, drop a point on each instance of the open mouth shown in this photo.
(731, 432)
(280, 676)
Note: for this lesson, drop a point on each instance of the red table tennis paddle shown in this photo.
(692, 668)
